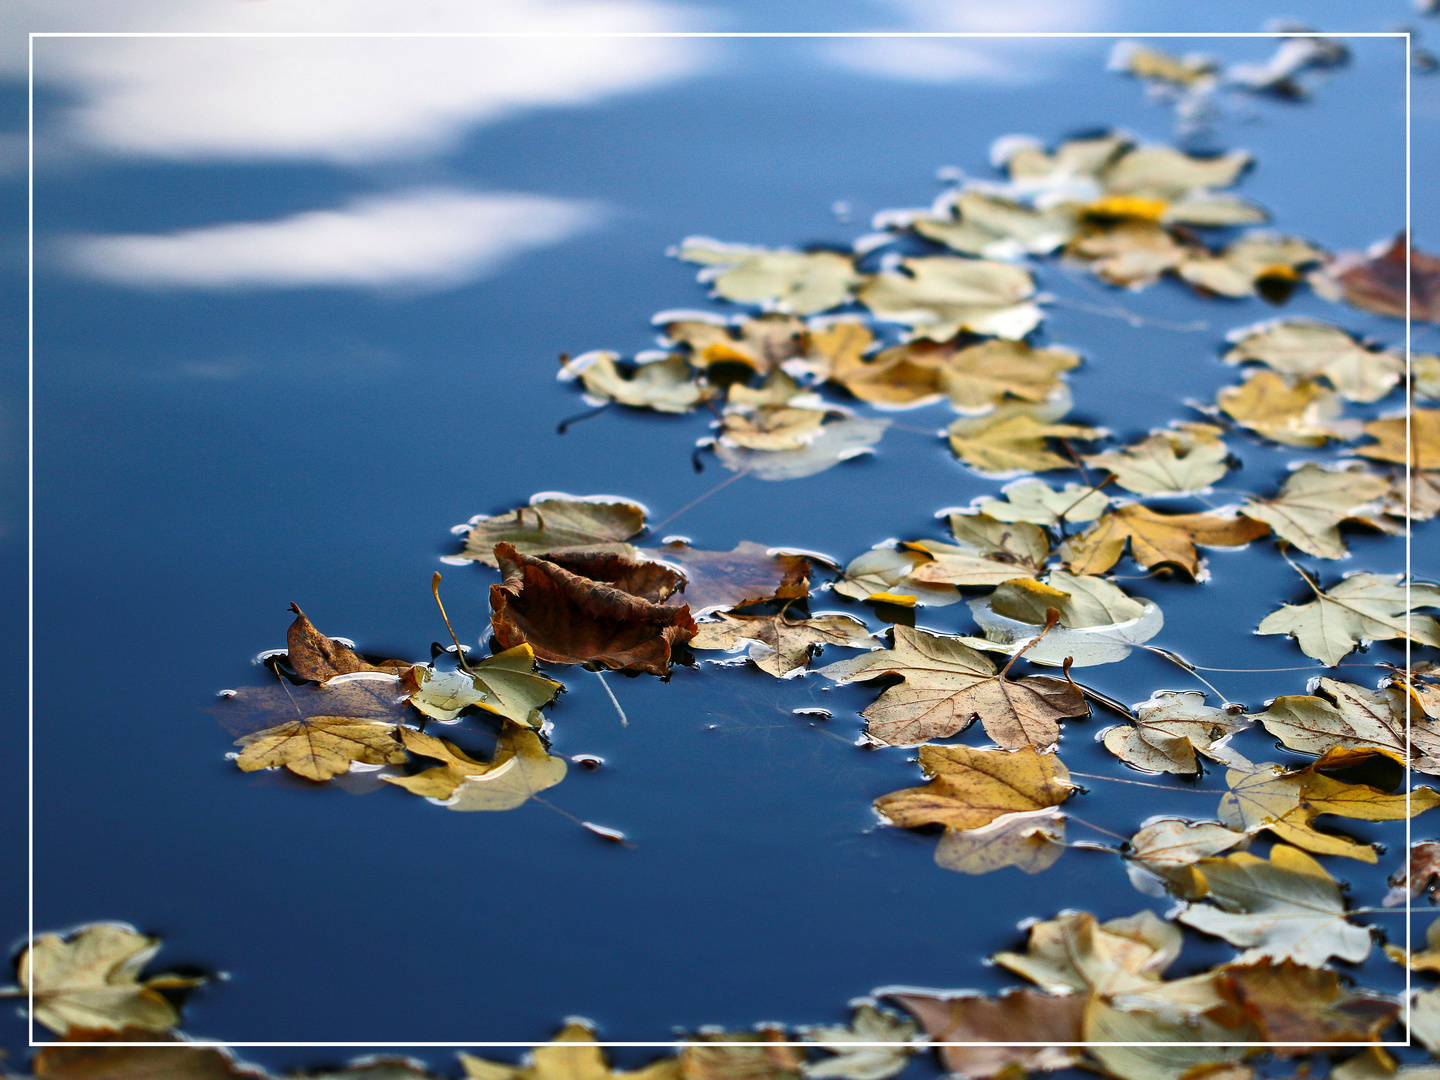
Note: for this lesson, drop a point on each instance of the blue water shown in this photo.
(201, 460)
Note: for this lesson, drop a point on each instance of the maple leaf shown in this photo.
(1375, 280)
(1314, 501)
(91, 980)
(975, 222)
(1156, 538)
(799, 282)
(1170, 729)
(1307, 349)
(884, 574)
(570, 619)
(781, 646)
(762, 343)
(975, 379)
(948, 685)
(1247, 265)
(1343, 714)
(1360, 609)
(319, 746)
(1298, 413)
(505, 684)
(1037, 502)
(554, 522)
(520, 768)
(1046, 1023)
(1015, 438)
(1182, 460)
(557, 1060)
(839, 438)
(666, 385)
(1297, 1004)
(939, 296)
(1076, 953)
(1170, 843)
(1423, 448)
(748, 574)
(868, 1025)
(741, 1055)
(1286, 907)
(1030, 841)
(971, 788)
(57, 1061)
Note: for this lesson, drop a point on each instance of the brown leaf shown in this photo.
(554, 522)
(1296, 1004)
(1420, 873)
(970, 788)
(315, 656)
(120, 1062)
(741, 1055)
(1156, 538)
(570, 619)
(1026, 1015)
(320, 747)
(720, 580)
(782, 646)
(1375, 281)
(376, 697)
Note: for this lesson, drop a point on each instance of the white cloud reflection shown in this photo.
(420, 239)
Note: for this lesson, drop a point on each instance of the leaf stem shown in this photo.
(624, 720)
(1140, 783)
(1097, 828)
(459, 650)
(1052, 616)
(697, 501)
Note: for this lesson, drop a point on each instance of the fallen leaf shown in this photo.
(1130, 252)
(1299, 413)
(1033, 170)
(1170, 729)
(1182, 460)
(1277, 75)
(1245, 266)
(862, 1061)
(1423, 450)
(1425, 375)
(1307, 349)
(1286, 907)
(505, 684)
(779, 645)
(971, 788)
(1182, 1052)
(975, 379)
(666, 385)
(836, 344)
(986, 552)
(747, 574)
(555, 522)
(91, 980)
(883, 574)
(762, 343)
(1037, 502)
(774, 428)
(1427, 959)
(1419, 875)
(1162, 172)
(947, 686)
(1047, 1024)
(1099, 622)
(376, 697)
(1081, 601)
(1372, 1063)
(939, 296)
(1416, 498)
(320, 747)
(975, 222)
(1375, 280)
(520, 768)
(740, 1055)
(1343, 714)
(1156, 538)
(314, 656)
(1154, 65)
(1291, 1003)
(1360, 609)
(1014, 439)
(799, 282)
(57, 1061)
(373, 1067)
(1314, 501)
(1029, 841)
(1176, 842)
(1424, 1023)
(570, 619)
(1076, 953)
(838, 439)
(557, 1060)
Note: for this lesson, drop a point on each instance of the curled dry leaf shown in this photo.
(947, 686)
(668, 385)
(1184, 459)
(971, 788)
(1342, 714)
(1360, 609)
(1170, 729)
(1307, 349)
(869, 1025)
(1156, 539)
(939, 296)
(1299, 413)
(1375, 281)
(1030, 841)
(1423, 449)
(1037, 502)
(555, 522)
(558, 1060)
(570, 619)
(779, 645)
(312, 655)
(1283, 908)
(1314, 501)
(1292, 1003)
(799, 282)
(520, 768)
(91, 980)
(1046, 1023)
(748, 574)
(837, 439)
(1015, 438)
(119, 1061)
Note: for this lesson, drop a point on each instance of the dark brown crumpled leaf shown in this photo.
(1026, 1015)
(1295, 1004)
(720, 580)
(314, 656)
(122, 1062)
(570, 618)
(1375, 281)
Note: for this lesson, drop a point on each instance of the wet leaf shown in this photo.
(1423, 451)
(1156, 538)
(1286, 907)
(1181, 460)
(91, 980)
(939, 296)
(1129, 252)
(121, 1062)
(1360, 609)
(505, 684)
(1424, 1021)
(373, 1067)
(1243, 267)
(1417, 499)
(838, 439)
(1427, 959)
(1170, 729)
(555, 522)
(740, 1055)
(1343, 714)
(948, 685)
(778, 389)
(520, 768)
(798, 282)
(774, 428)
(1420, 873)
(762, 343)
(1162, 172)
(884, 574)
(836, 344)
(986, 552)
(667, 385)
(1081, 601)
(377, 697)
(747, 574)
(1099, 622)
(1015, 439)
(1184, 1053)
(1076, 953)
(1314, 501)
(1307, 349)
(1176, 842)
(1155, 65)
(1300, 413)
(1037, 502)
(861, 1062)
(779, 645)
(320, 747)
(975, 379)
(1375, 281)
(558, 1061)
(1046, 1023)
(312, 655)
(1033, 170)
(975, 222)
(1029, 841)
(971, 788)
(570, 619)
(1425, 375)
(1296, 1004)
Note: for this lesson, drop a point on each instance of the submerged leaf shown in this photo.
(554, 522)
(971, 788)
(802, 282)
(747, 574)
(1030, 841)
(320, 747)
(836, 440)
(1306, 349)
(939, 296)
(948, 685)
(1183, 459)
(779, 645)
(1314, 501)
(1156, 538)
(1047, 1024)
(1170, 729)
(1302, 413)
(1360, 609)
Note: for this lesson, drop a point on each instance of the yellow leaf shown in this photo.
(971, 788)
